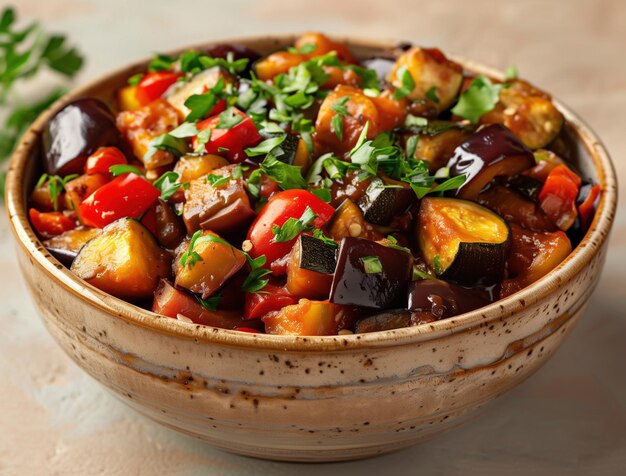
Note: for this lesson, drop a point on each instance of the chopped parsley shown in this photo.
(407, 83)
(319, 234)
(229, 119)
(432, 94)
(56, 186)
(478, 99)
(437, 265)
(371, 264)
(211, 303)
(168, 184)
(511, 73)
(293, 226)
(124, 169)
(217, 180)
(341, 111)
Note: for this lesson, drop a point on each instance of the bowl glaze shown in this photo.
(308, 398)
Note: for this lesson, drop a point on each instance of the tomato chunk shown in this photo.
(229, 142)
(281, 207)
(102, 159)
(50, 223)
(558, 196)
(128, 195)
(153, 85)
(273, 298)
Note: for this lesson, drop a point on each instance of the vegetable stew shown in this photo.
(310, 192)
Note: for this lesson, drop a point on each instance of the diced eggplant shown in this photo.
(307, 318)
(66, 246)
(170, 230)
(384, 321)
(311, 267)
(382, 285)
(191, 167)
(288, 149)
(442, 299)
(515, 209)
(462, 241)
(316, 255)
(436, 149)
(221, 208)
(528, 112)
(178, 304)
(383, 200)
(490, 152)
(75, 132)
(348, 220)
(123, 260)
(216, 264)
(141, 126)
(533, 255)
(526, 186)
(200, 83)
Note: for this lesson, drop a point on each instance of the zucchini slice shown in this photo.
(462, 241)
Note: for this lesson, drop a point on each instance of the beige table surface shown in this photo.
(569, 418)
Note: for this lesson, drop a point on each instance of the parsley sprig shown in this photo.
(56, 186)
(341, 111)
(293, 226)
(478, 99)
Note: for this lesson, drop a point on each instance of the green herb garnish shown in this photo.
(124, 169)
(478, 99)
(371, 264)
(293, 226)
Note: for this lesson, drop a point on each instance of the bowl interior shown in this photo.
(584, 151)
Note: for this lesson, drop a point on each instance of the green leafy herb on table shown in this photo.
(24, 52)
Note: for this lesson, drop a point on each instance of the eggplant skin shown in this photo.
(381, 204)
(123, 260)
(490, 152)
(478, 263)
(75, 132)
(315, 255)
(383, 290)
(442, 299)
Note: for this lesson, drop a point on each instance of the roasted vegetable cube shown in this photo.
(206, 267)
(371, 275)
(310, 269)
(123, 260)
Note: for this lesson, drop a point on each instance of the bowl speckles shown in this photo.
(313, 398)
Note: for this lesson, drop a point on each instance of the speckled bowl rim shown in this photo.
(567, 270)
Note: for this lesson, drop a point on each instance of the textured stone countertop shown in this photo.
(569, 418)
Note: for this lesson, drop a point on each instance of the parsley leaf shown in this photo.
(437, 265)
(372, 265)
(319, 234)
(217, 180)
(124, 169)
(408, 84)
(135, 79)
(167, 142)
(322, 193)
(394, 244)
(341, 111)
(511, 73)
(56, 186)
(191, 257)
(211, 303)
(287, 176)
(186, 129)
(266, 146)
(168, 184)
(432, 94)
(293, 226)
(229, 119)
(256, 280)
(201, 104)
(478, 99)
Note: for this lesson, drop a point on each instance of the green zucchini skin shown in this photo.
(478, 264)
(381, 203)
(315, 255)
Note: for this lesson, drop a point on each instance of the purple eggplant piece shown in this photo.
(386, 289)
(75, 132)
(443, 299)
(490, 152)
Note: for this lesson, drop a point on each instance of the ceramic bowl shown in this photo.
(308, 398)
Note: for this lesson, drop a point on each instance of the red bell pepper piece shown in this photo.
(587, 208)
(229, 142)
(557, 197)
(281, 207)
(273, 298)
(50, 223)
(128, 195)
(153, 85)
(149, 220)
(103, 158)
